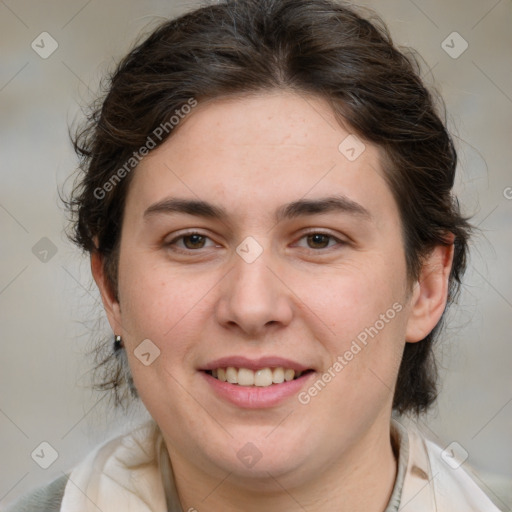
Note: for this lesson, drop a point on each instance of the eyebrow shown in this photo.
(301, 207)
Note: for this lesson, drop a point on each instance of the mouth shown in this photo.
(256, 383)
(263, 378)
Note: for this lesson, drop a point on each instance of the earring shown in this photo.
(118, 343)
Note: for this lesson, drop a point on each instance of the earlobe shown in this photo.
(430, 294)
(108, 297)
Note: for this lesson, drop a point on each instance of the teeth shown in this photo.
(260, 378)
(232, 375)
(245, 377)
(263, 378)
(278, 375)
(288, 375)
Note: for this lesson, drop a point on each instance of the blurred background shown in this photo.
(53, 54)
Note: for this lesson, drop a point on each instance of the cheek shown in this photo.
(366, 310)
(351, 299)
(159, 303)
(163, 307)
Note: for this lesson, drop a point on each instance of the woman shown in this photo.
(266, 199)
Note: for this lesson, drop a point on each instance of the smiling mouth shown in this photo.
(260, 378)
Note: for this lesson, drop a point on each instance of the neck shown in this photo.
(362, 480)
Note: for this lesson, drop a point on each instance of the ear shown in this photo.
(430, 293)
(108, 296)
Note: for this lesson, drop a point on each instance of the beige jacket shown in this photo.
(127, 473)
(434, 479)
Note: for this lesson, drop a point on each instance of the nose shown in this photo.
(254, 297)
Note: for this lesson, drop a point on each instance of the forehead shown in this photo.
(261, 150)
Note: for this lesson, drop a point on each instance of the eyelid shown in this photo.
(311, 231)
(325, 232)
(183, 234)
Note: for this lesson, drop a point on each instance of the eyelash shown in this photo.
(173, 246)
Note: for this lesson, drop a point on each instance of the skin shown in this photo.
(301, 299)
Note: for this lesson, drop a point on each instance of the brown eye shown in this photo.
(190, 242)
(318, 240)
(196, 241)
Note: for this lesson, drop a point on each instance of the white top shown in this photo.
(132, 473)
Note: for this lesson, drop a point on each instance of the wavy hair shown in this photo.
(320, 47)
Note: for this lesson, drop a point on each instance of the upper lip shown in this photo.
(255, 364)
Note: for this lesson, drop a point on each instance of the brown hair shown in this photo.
(319, 47)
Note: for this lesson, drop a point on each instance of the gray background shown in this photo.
(49, 309)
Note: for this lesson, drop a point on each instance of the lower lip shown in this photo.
(255, 397)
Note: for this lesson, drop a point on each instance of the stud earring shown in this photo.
(118, 343)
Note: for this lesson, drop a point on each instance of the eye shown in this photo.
(320, 240)
(189, 241)
(193, 241)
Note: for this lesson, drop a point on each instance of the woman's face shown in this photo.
(269, 275)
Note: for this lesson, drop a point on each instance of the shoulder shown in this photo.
(436, 480)
(454, 483)
(47, 498)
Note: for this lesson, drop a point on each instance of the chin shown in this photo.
(265, 474)
(257, 460)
